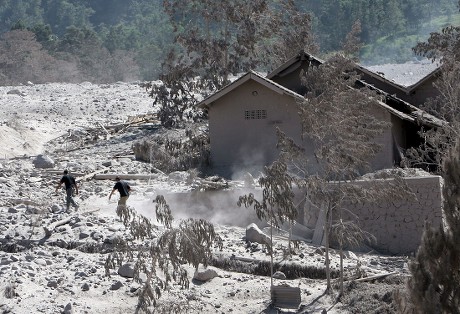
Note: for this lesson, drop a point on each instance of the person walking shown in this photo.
(70, 184)
(123, 188)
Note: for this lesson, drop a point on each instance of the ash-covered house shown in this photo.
(243, 117)
(415, 93)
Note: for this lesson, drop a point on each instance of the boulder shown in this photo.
(254, 234)
(43, 162)
(205, 274)
(126, 270)
(279, 275)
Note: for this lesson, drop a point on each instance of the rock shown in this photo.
(85, 287)
(96, 235)
(205, 274)
(349, 254)
(40, 261)
(52, 284)
(43, 162)
(55, 208)
(319, 251)
(254, 234)
(179, 176)
(126, 270)
(279, 275)
(110, 163)
(15, 92)
(68, 309)
(116, 285)
(83, 235)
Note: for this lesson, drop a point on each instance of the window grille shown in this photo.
(255, 114)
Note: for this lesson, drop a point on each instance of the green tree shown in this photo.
(61, 14)
(83, 47)
(12, 11)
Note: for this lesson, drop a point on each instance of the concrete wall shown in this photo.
(397, 224)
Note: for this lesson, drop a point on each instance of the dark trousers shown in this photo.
(69, 199)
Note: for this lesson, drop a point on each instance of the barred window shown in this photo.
(255, 114)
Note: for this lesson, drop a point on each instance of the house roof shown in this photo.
(251, 75)
(394, 105)
(405, 89)
(294, 61)
(405, 110)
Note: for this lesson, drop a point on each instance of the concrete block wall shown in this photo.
(397, 224)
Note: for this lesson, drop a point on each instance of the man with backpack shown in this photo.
(70, 185)
(123, 188)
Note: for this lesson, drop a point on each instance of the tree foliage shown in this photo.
(431, 288)
(215, 40)
(159, 256)
(144, 28)
(277, 203)
(344, 124)
(441, 47)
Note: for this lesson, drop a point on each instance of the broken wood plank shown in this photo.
(370, 278)
(50, 228)
(60, 172)
(107, 134)
(124, 176)
(90, 175)
(24, 201)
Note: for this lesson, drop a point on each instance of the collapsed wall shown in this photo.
(397, 224)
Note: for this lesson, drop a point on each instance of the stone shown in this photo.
(43, 162)
(15, 92)
(279, 275)
(52, 284)
(254, 234)
(68, 309)
(179, 176)
(126, 270)
(85, 287)
(116, 285)
(205, 274)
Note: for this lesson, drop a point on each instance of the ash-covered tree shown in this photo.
(433, 286)
(159, 256)
(277, 203)
(217, 40)
(443, 47)
(343, 124)
(96, 63)
(22, 59)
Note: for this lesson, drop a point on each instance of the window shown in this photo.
(255, 114)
